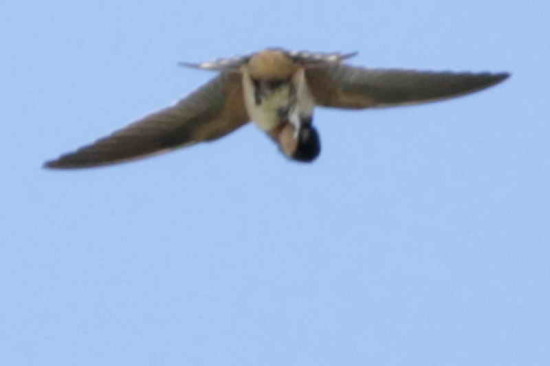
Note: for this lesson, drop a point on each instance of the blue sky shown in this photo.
(420, 236)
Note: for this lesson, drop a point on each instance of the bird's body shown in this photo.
(277, 90)
(267, 110)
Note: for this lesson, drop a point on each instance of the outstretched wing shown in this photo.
(344, 86)
(212, 111)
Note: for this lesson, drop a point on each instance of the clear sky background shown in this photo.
(420, 236)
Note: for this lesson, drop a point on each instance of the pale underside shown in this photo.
(294, 97)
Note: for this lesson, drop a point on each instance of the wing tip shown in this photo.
(75, 161)
(501, 76)
(349, 55)
(492, 79)
(61, 164)
(191, 65)
(51, 164)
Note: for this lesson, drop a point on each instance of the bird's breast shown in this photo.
(288, 102)
(270, 110)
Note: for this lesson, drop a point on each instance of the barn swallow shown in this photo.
(277, 90)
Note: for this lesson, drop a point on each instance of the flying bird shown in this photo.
(278, 90)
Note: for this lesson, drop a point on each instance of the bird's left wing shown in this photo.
(344, 86)
(212, 111)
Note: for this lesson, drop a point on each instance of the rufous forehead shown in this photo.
(271, 64)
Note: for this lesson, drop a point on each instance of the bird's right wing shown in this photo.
(212, 111)
(344, 86)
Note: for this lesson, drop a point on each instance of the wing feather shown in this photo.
(212, 111)
(344, 86)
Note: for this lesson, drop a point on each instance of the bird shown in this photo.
(277, 90)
